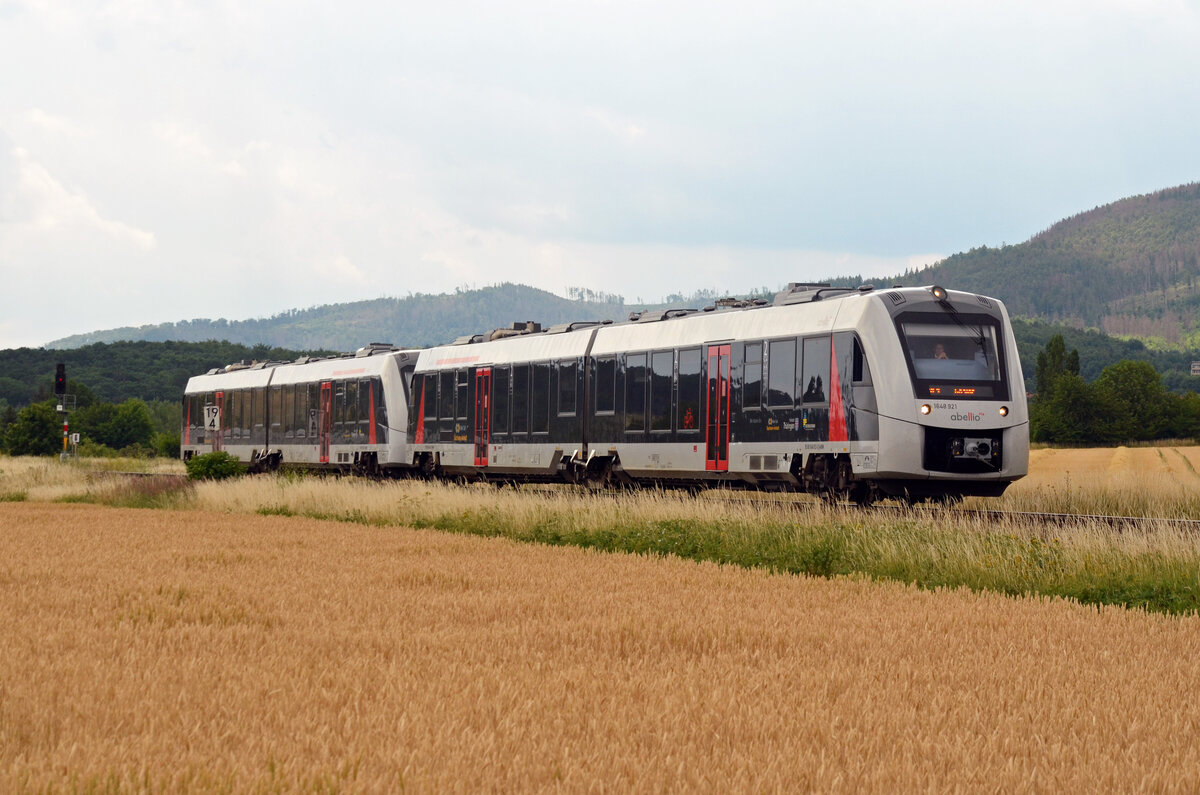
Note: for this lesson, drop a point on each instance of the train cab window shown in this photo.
(606, 386)
(567, 379)
(688, 411)
(540, 403)
(958, 355)
(460, 402)
(520, 398)
(752, 367)
(814, 377)
(662, 366)
(861, 372)
(635, 392)
(781, 373)
(500, 400)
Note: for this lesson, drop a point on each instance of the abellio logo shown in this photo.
(970, 416)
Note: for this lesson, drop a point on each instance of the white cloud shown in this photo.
(38, 205)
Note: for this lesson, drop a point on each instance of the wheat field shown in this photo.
(208, 651)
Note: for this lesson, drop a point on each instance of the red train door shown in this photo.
(717, 424)
(483, 414)
(326, 419)
(216, 422)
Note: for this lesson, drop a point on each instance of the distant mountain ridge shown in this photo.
(417, 320)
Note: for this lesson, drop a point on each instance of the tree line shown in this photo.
(1127, 402)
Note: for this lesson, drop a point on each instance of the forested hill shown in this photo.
(413, 321)
(1129, 268)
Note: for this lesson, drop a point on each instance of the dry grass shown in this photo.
(200, 651)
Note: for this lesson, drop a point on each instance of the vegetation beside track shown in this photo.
(1155, 567)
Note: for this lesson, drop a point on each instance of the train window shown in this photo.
(287, 417)
(500, 400)
(446, 395)
(259, 407)
(276, 412)
(339, 404)
(301, 418)
(314, 408)
(662, 366)
(461, 390)
(815, 375)
(606, 386)
(752, 376)
(541, 399)
(566, 387)
(861, 373)
(635, 392)
(381, 417)
(520, 399)
(689, 390)
(781, 373)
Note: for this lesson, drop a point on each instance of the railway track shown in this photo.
(801, 502)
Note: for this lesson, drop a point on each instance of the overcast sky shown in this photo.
(163, 160)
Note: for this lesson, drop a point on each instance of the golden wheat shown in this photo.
(148, 650)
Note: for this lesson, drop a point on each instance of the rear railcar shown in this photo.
(347, 413)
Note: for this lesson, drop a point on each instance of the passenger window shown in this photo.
(689, 390)
(500, 400)
(520, 399)
(462, 409)
(288, 417)
(662, 365)
(635, 392)
(351, 415)
(606, 386)
(781, 382)
(815, 378)
(446, 395)
(541, 399)
(566, 387)
(752, 376)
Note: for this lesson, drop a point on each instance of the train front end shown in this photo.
(954, 421)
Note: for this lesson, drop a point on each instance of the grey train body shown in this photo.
(907, 392)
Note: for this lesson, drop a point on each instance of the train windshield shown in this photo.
(954, 356)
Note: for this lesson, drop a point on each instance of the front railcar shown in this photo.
(953, 419)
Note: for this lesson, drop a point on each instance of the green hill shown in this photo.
(1128, 268)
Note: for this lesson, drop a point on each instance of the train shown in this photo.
(859, 394)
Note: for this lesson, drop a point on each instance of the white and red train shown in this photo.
(914, 393)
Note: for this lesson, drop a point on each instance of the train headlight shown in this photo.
(939, 293)
(1004, 411)
(926, 408)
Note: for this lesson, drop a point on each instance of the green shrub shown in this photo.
(214, 466)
